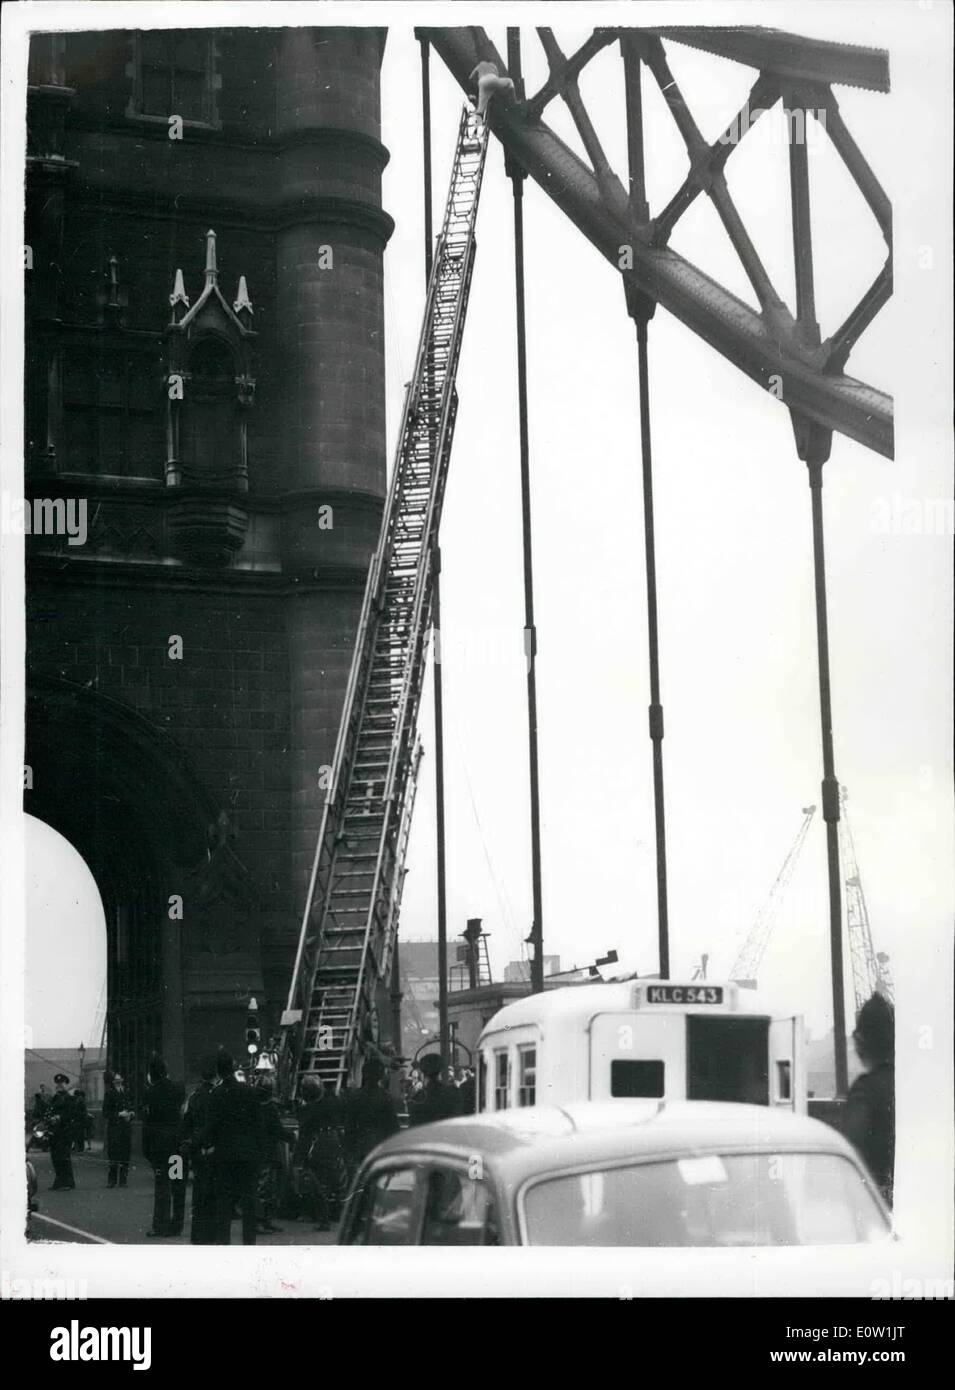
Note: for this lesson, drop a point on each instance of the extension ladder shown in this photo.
(350, 919)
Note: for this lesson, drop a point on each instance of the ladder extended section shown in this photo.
(351, 911)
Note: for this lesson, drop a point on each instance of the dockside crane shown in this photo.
(745, 968)
(870, 968)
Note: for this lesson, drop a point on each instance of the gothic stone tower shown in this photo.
(205, 374)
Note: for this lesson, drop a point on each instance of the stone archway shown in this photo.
(176, 897)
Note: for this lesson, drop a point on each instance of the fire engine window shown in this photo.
(501, 1080)
(784, 1080)
(527, 1075)
(630, 1079)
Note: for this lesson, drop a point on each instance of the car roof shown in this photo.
(519, 1142)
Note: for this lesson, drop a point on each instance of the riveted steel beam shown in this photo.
(788, 55)
(759, 348)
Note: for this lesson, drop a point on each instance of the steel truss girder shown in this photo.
(763, 346)
(788, 55)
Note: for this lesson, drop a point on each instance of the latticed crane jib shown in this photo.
(870, 972)
(745, 969)
(782, 352)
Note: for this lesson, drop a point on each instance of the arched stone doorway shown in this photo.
(65, 955)
(123, 794)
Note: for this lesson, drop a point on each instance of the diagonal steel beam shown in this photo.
(568, 71)
(610, 185)
(762, 98)
(759, 349)
(769, 301)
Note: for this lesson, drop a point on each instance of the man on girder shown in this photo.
(490, 84)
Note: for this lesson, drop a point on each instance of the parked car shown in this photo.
(617, 1173)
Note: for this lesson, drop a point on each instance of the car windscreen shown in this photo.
(745, 1199)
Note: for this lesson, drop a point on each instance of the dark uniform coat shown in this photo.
(233, 1133)
(61, 1117)
(118, 1132)
(194, 1119)
(162, 1121)
(370, 1117)
(195, 1115)
(321, 1150)
(435, 1101)
(233, 1124)
(272, 1133)
(870, 1123)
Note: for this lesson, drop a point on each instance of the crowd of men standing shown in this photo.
(228, 1136)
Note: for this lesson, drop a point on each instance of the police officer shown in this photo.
(272, 1159)
(232, 1139)
(195, 1116)
(436, 1100)
(320, 1150)
(161, 1144)
(61, 1119)
(117, 1114)
(82, 1123)
(870, 1105)
(370, 1114)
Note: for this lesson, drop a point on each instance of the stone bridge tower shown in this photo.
(205, 383)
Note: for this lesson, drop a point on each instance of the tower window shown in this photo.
(110, 421)
(174, 76)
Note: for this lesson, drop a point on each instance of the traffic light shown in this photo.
(253, 1034)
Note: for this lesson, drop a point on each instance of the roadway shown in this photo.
(93, 1214)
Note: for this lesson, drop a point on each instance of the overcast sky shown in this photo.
(739, 676)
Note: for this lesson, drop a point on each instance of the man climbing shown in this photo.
(490, 84)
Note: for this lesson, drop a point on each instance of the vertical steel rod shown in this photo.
(830, 785)
(813, 444)
(656, 707)
(517, 176)
(641, 310)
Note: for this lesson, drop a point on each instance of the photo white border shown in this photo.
(920, 381)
